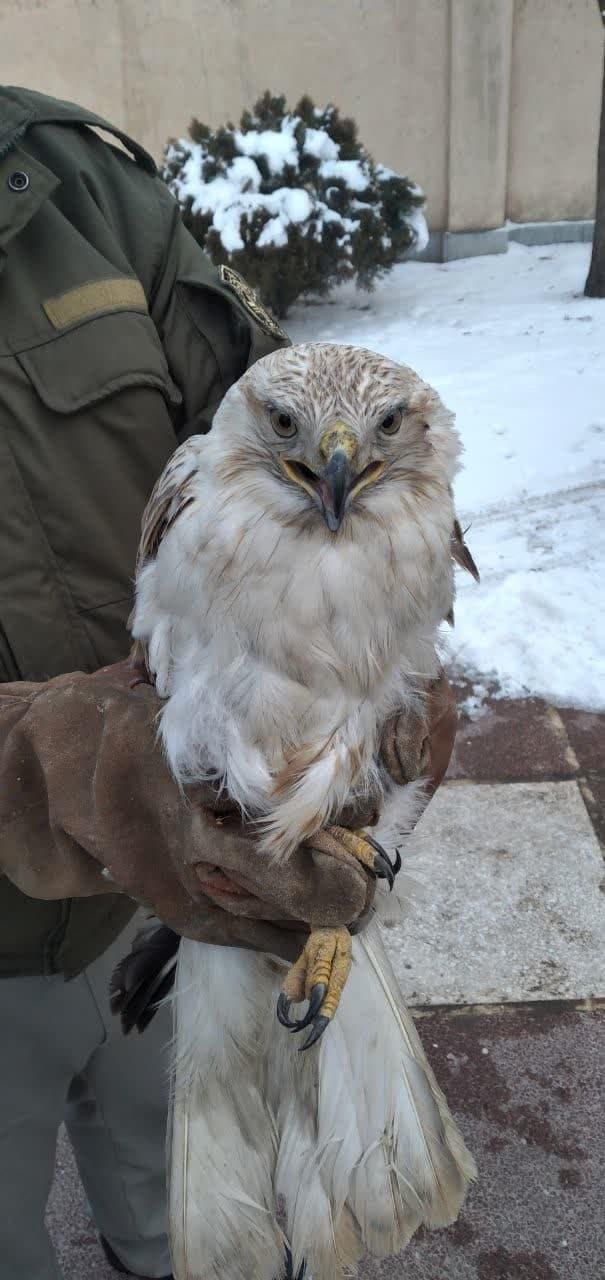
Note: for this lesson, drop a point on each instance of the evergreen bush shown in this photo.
(293, 201)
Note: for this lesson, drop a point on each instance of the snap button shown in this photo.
(18, 181)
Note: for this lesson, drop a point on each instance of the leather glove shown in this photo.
(87, 806)
(419, 743)
(416, 743)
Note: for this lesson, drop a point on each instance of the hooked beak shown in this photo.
(334, 487)
(338, 481)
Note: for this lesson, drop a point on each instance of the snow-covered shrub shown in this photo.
(293, 201)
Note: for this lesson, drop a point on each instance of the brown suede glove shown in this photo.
(87, 805)
(419, 744)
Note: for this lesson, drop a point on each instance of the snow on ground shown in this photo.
(518, 353)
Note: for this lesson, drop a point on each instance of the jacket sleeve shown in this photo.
(210, 323)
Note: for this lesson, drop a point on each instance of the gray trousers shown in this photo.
(63, 1057)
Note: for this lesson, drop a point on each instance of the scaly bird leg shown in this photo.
(319, 976)
(321, 971)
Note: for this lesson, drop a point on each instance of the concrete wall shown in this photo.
(491, 105)
(481, 42)
(555, 93)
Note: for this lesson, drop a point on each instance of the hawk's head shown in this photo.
(321, 432)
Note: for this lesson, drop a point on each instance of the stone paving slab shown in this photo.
(507, 906)
(512, 741)
(527, 1089)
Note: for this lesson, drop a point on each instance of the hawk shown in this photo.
(294, 567)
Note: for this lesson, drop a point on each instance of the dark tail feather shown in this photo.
(143, 978)
(290, 1271)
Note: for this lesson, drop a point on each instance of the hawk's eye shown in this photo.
(283, 423)
(392, 422)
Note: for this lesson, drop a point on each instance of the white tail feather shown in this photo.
(223, 1142)
(221, 1186)
(414, 1145)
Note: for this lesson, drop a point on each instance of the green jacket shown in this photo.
(118, 339)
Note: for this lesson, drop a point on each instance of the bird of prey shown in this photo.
(295, 565)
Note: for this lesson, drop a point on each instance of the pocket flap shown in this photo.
(86, 364)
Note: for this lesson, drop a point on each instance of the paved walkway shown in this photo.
(503, 956)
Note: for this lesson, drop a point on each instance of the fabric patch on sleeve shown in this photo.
(93, 299)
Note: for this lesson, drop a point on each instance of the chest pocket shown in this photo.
(81, 365)
(89, 415)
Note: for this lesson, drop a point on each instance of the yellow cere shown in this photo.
(338, 436)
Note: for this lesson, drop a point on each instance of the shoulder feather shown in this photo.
(170, 497)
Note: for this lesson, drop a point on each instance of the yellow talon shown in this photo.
(368, 852)
(319, 975)
(355, 844)
(339, 972)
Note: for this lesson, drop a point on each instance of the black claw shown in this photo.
(318, 1027)
(377, 847)
(383, 867)
(283, 1012)
(387, 874)
(318, 995)
(298, 1024)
